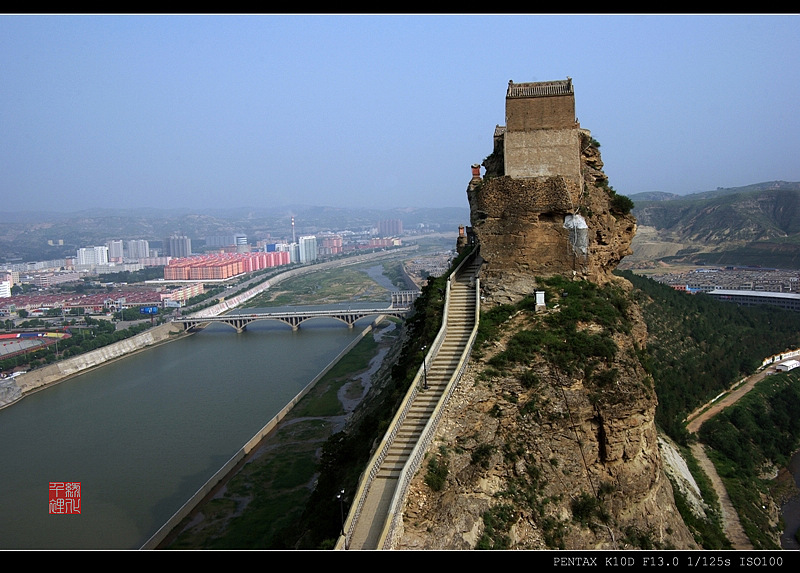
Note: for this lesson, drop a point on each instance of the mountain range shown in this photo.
(756, 225)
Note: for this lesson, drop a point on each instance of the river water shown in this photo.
(791, 509)
(144, 433)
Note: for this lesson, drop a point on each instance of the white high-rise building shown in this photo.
(114, 250)
(93, 256)
(308, 249)
(178, 246)
(138, 249)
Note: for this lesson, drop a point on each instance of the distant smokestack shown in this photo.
(293, 241)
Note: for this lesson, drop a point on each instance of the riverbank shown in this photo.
(145, 433)
(270, 485)
(14, 389)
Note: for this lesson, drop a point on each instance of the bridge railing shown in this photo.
(383, 448)
(292, 318)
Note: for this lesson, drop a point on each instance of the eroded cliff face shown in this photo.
(549, 440)
(529, 228)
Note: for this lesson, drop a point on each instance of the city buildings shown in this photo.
(236, 239)
(138, 249)
(115, 251)
(706, 279)
(178, 246)
(92, 256)
(222, 266)
(330, 245)
(308, 249)
(46, 280)
(183, 293)
(745, 286)
(390, 228)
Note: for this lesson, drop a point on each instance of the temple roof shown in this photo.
(540, 89)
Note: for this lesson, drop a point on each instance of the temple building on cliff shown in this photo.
(541, 135)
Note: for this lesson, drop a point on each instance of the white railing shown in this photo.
(417, 455)
(380, 453)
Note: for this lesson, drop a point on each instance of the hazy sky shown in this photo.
(375, 110)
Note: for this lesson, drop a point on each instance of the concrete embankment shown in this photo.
(13, 389)
(240, 457)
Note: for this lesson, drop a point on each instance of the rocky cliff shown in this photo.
(549, 440)
(529, 228)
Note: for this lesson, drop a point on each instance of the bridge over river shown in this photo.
(401, 305)
(375, 515)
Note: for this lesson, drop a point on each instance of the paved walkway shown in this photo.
(461, 317)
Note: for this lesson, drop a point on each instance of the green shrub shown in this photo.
(436, 477)
(529, 379)
(588, 510)
(621, 204)
(481, 455)
(497, 522)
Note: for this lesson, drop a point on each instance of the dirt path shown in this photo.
(730, 519)
(711, 409)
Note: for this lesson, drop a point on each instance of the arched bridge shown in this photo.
(400, 308)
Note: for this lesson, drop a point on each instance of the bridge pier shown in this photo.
(293, 319)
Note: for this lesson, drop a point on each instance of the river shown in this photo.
(791, 509)
(144, 433)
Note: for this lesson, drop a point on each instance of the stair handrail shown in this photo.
(390, 529)
(365, 481)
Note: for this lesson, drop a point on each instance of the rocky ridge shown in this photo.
(753, 225)
(549, 441)
(529, 228)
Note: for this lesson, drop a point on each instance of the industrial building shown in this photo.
(788, 365)
(786, 300)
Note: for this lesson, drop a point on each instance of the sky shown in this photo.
(378, 111)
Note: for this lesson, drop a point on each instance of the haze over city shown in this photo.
(381, 111)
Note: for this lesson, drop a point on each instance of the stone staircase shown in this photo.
(437, 374)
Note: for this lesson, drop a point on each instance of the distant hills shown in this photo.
(755, 225)
(27, 236)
